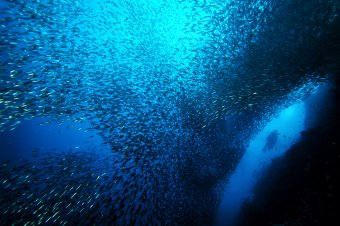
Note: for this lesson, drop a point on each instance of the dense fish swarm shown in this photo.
(174, 87)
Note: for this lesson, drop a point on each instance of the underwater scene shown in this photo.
(170, 112)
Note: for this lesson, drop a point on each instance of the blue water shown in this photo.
(255, 160)
(41, 137)
(289, 123)
(137, 112)
(37, 137)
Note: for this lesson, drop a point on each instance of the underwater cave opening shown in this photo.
(278, 135)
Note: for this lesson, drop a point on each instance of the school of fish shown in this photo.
(176, 88)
